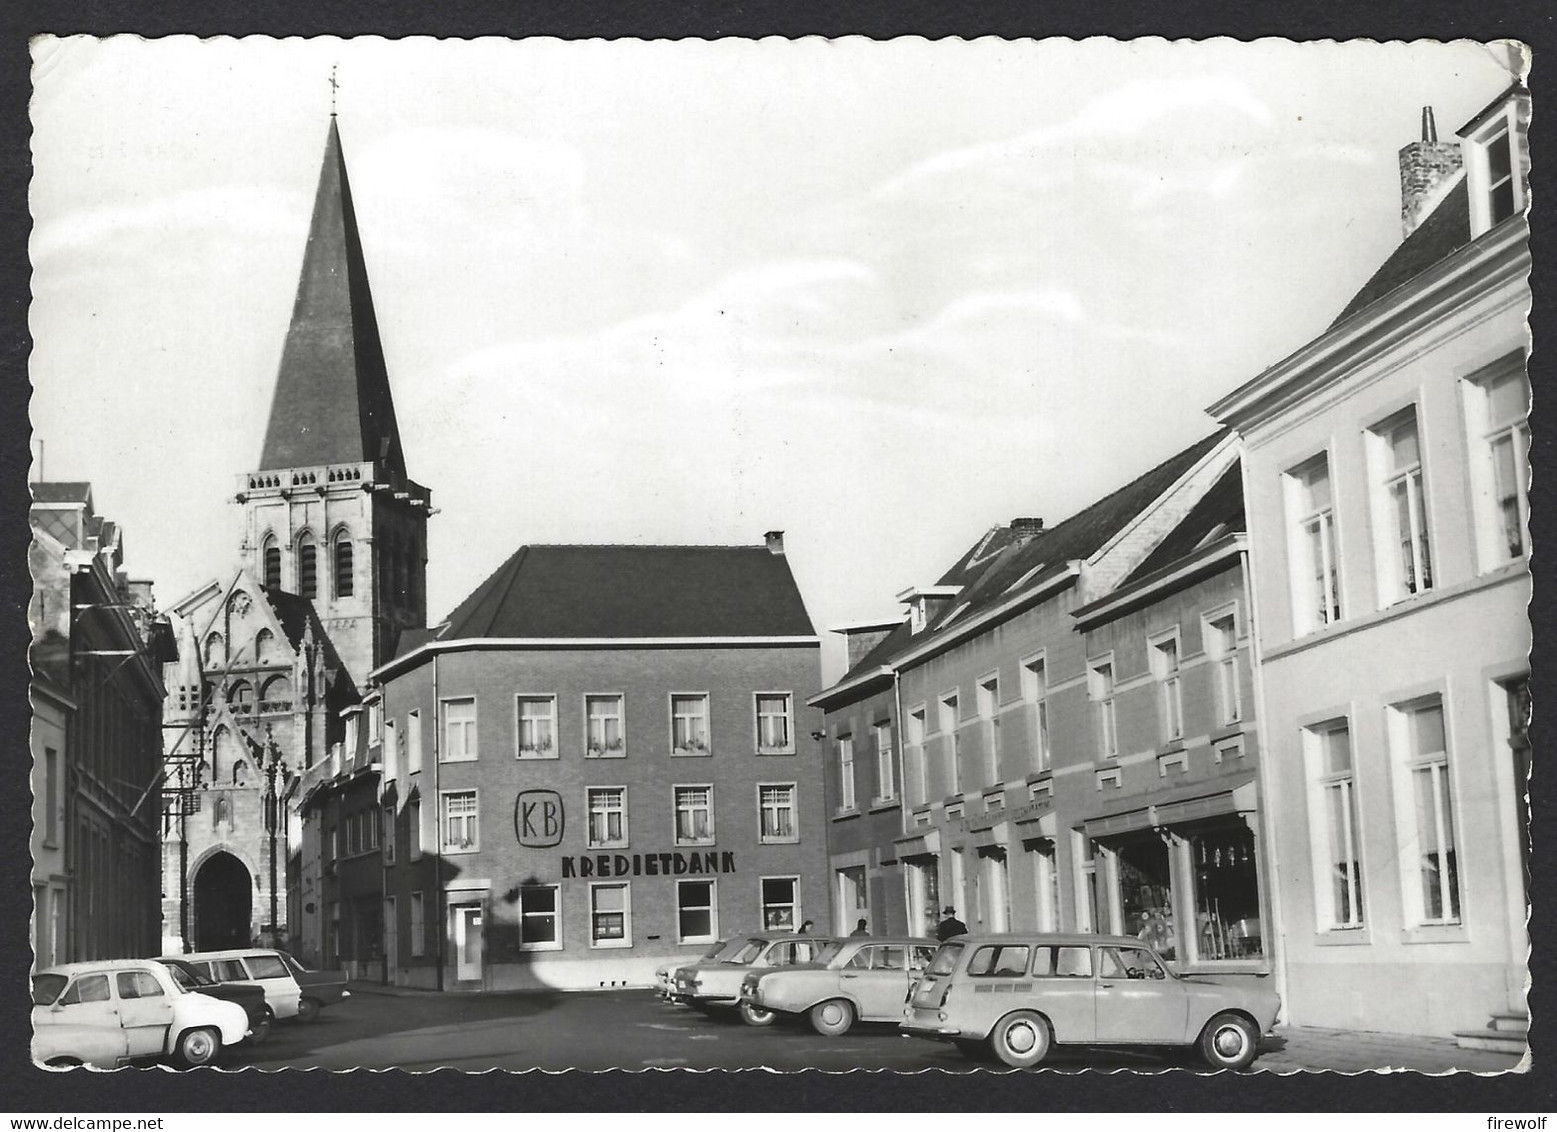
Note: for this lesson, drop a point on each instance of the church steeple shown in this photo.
(332, 401)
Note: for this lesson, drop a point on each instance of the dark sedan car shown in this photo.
(247, 995)
(320, 988)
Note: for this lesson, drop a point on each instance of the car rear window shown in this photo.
(748, 954)
(46, 988)
(266, 967)
(1003, 960)
(945, 961)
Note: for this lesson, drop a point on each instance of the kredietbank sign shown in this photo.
(539, 824)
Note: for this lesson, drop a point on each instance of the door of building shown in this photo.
(467, 941)
(223, 894)
(853, 900)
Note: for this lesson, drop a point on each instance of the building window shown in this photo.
(1143, 867)
(607, 817)
(215, 652)
(459, 822)
(414, 827)
(345, 581)
(1100, 688)
(459, 730)
(775, 733)
(418, 925)
(389, 834)
(780, 903)
(1170, 696)
(689, 724)
(1418, 736)
(1400, 509)
(240, 698)
(914, 760)
(50, 796)
(694, 815)
(948, 724)
(1316, 586)
(1338, 840)
(413, 742)
(846, 772)
(989, 715)
(1497, 411)
(271, 557)
(1225, 879)
(697, 919)
(604, 736)
(1035, 690)
(922, 879)
(886, 784)
(540, 917)
(1222, 647)
(610, 915)
(307, 568)
(776, 811)
(537, 727)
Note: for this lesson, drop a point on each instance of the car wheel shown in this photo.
(197, 1047)
(1229, 1041)
(308, 1010)
(261, 1029)
(756, 1015)
(833, 1017)
(1021, 1040)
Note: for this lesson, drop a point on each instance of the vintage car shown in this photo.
(1019, 995)
(250, 996)
(665, 973)
(256, 965)
(716, 982)
(318, 988)
(861, 979)
(109, 1012)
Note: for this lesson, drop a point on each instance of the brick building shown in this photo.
(602, 758)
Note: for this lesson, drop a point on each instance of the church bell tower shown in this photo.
(330, 515)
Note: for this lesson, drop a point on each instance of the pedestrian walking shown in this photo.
(950, 925)
(860, 929)
(806, 928)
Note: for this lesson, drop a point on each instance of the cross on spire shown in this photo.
(333, 85)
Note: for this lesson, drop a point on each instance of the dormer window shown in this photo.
(925, 604)
(1494, 149)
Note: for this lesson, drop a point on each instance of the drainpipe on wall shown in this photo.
(438, 901)
(1277, 934)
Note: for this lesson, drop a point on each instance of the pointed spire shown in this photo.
(332, 402)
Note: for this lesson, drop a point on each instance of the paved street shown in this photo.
(633, 1030)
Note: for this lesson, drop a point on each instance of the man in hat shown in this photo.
(950, 925)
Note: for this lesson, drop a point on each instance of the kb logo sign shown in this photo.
(538, 818)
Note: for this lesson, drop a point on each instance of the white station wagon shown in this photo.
(1018, 995)
(857, 979)
(105, 1013)
(261, 967)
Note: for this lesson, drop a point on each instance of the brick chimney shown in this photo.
(1025, 529)
(1425, 166)
(775, 541)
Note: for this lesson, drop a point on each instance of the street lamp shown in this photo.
(270, 763)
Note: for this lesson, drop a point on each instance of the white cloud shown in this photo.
(188, 217)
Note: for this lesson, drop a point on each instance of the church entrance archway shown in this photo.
(223, 904)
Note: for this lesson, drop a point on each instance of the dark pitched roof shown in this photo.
(332, 401)
(1218, 513)
(634, 592)
(1445, 231)
(994, 575)
(68, 492)
(296, 613)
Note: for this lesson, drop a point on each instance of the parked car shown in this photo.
(863, 979)
(106, 1013)
(717, 982)
(252, 965)
(1019, 995)
(250, 996)
(319, 988)
(665, 973)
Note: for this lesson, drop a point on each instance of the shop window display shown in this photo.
(1146, 893)
(1227, 894)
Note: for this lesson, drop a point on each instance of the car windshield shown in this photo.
(748, 953)
(945, 960)
(46, 988)
(184, 979)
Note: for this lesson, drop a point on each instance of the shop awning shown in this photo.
(919, 845)
(1213, 797)
(1043, 824)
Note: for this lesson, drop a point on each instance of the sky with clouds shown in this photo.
(881, 296)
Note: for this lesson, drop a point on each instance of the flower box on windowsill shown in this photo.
(694, 748)
(616, 749)
(543, 750)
